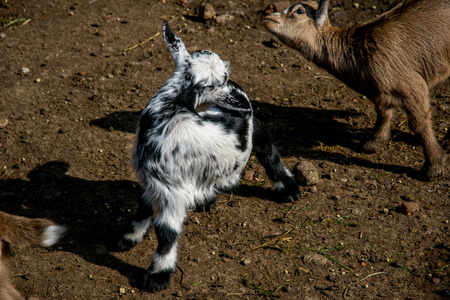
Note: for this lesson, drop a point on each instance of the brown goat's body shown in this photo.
(395, 48)
(394, 60)
(21, 232)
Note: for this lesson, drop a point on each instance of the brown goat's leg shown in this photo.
(435, 156)
(446, 143)
(381, 131)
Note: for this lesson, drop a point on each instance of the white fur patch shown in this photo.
(209, 68)
(278, 185)
(52, 234)
(167, 261)
(139, 230)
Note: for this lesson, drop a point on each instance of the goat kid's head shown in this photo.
(300, 24)
(203, 67)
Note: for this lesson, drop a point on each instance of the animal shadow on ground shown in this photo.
(297, 131)
(92, 211)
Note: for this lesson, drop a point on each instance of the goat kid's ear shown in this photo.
(174, 44)
(322, 13)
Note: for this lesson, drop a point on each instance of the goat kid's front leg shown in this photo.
(381, 131)
(168, 227)
(269, 157)
(138, 228)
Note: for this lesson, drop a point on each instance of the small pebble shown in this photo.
(249, 175)
(332, 277)
(278, 6)
(246, 262)
(306, 173)
(436, 280)
(222, 19)
(408, 208)
(24, 70)
(3, 122)
(2, 35)
(313, 189)
(178, 294)
(315, 259)
(206, 11)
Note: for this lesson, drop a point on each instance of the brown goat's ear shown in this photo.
(322, 13)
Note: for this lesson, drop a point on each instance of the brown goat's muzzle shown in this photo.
(272, 22)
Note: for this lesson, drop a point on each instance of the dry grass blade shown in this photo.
(147, 40)
(368, 276)
(280, 238)
(141, 43)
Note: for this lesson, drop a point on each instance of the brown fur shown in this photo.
(394, 60)
(20, 232)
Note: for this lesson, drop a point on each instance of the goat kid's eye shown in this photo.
(299, 11)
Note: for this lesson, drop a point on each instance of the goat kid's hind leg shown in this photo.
(381, 131)
(420, 112)
(269, 157)
(206, 205)
(138, 228)
(168, 227)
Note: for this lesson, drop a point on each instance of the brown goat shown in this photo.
(394, 60)
(21, 232)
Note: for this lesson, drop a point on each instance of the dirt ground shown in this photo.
(74, 76)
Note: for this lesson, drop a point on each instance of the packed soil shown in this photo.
(74, 76)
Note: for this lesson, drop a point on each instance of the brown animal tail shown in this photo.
(22, 231)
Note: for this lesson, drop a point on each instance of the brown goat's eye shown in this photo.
(299, 11)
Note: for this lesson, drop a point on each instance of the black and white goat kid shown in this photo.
(193, 142)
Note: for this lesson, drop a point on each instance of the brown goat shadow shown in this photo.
(88, 209)
(313, 128)
(309, 126)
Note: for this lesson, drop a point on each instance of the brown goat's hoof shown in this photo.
(370, 147)
(433, 172)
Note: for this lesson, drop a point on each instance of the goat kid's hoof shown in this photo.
(154, 282)
(289, 194)
(206, 207)
(122, 244)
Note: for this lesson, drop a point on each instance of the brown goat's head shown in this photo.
(299, 25)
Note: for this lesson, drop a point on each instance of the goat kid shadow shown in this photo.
(92, 211)
(296, 131)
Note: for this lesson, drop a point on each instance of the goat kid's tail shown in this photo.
(21, 231)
